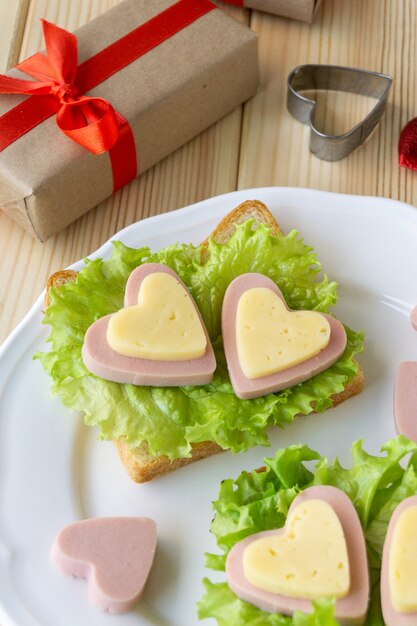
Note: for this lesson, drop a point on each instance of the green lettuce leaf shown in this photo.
(170, 420)
(222, 604)
(260, 501)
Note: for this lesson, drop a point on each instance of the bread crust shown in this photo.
(142, 466)
(250, 209)
(59, 278)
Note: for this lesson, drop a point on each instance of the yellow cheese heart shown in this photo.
(402, 562)
(309, 560)
(163, 326)
(270, 338)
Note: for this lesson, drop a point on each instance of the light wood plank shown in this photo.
(205, 167)
(12, 21)
(378, 36)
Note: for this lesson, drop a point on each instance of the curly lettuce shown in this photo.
(260, 501)
(170, 420)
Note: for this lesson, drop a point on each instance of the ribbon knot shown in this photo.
(91, 122)
(65, 93)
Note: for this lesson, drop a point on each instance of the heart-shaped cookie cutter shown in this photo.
(336, 78)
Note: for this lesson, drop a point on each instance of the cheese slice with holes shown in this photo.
(163, 326)
(308, 560)
(402, 563)
(270, 338)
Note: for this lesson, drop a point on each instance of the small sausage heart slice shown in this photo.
(114, 554)
(405, 400)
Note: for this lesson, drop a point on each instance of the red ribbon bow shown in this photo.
(91, 122)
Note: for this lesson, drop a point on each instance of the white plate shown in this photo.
(53, 471)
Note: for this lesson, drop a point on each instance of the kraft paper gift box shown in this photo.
(304, 10)
(168, 95)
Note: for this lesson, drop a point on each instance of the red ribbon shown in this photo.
(60, 86)
(237, 3)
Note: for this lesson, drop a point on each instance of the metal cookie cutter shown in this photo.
(336, 78)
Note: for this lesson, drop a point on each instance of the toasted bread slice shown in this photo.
(59, 278)
(250, 209)
(142, 466)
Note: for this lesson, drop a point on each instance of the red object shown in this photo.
(407, 145)
(60, 84)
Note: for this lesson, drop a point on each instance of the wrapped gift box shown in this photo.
(304, 10)
(168, 95)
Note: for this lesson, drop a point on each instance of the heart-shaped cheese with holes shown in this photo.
(115, 555)
(308, 560)
(320, 552)
(398, 572)
(268, 347)
(157, 339)
(163, 326)
(270, 338)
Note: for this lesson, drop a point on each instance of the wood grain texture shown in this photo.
(267, 147)
(13, 15)
(377, 35)
(204, 167)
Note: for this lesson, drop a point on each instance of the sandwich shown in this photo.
(158, 429)
(322, 565)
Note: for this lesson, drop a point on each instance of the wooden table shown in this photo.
(256, 145)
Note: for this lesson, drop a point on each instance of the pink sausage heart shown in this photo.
(115, 555)
(100, 359)
(405, 400)
(246, 388)
(352, 608)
